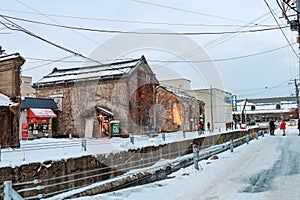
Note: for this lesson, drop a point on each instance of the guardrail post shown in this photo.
(196, 156)
(163, 136)
(7, 190)
(83, 144)
(132, 139)
(231, 145)
(183, 133)
(247, 138)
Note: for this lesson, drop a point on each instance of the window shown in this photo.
(252, 107)
(278, 106)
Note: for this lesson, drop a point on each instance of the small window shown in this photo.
(252, 107)
(278, 106)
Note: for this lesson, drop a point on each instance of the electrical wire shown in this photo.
(141, 33)
(218, 41)
(19, 28)
(281, 29)
(189, 11)
(56, 21)
(136, 21)
(51, 62)
(172, 61)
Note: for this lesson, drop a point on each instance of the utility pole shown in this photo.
(297, 93)
(211, 109)
(295, 26)
(298, 40)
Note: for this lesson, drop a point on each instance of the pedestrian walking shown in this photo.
(283, 127)
(272, 127)
(299, 127)
(200, 128)
(208, 126)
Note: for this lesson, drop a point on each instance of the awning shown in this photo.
(104, 111)
(40, 113)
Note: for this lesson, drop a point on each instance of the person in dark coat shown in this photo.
(272, 127)
(208, 126)
(299, 127)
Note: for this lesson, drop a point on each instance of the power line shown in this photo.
(53, 61)
(62, 60)
(271, 88)
(136, 21)
(221, 39)
(189, 11)
(142, 33)
(19, 28)
(55, 21)
(281, 29)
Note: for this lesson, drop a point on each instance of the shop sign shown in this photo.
(115, 129)
(234, 102)
(24, 131)
(35, 120)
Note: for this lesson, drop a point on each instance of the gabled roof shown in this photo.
(180, 94)
(29, 102)
(110, 71)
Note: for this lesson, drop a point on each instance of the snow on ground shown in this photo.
(267, 168)
(40, 150)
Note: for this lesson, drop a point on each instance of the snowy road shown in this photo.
(267, 168)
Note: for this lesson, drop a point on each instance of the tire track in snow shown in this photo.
(287, 164)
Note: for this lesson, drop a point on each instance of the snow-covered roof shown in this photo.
(179, 93)
(95, 72)
(10, 56)
(267, 105)
(5, 100)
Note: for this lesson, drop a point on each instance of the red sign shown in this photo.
(24, 126)
(24, 134)
(24, 131)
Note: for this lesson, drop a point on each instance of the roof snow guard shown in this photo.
(180, 94)
(88, 73)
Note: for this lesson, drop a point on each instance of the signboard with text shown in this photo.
(234, 103)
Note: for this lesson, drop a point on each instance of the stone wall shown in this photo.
(102, 167)
(10, 67)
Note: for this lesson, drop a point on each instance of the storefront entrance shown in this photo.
(39, 122)
(104, 117)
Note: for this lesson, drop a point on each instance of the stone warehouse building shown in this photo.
(179, 110)
(10, 66)
(91, 98)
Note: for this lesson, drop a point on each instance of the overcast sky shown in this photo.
(254, 74)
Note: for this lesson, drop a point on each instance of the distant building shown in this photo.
(265, 109)
(181, 84)
(218, 108)
(10, 68)
(26, 87)
(92, 98)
